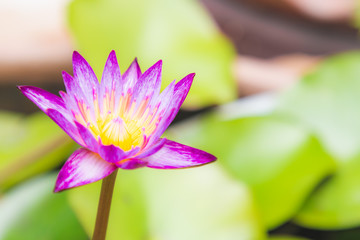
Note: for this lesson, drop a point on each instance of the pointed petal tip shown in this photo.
(57, 189)
(158, 65)
(77, 58)
(62, 93)
(136, 63)
(112, 59)
(187, 80)
(185, 85)
(176, 155)
(24, 88)
(112, 54)
(156, 68)
(133, 71)
(160, 62)
(192, 75)
(211, 158)
(59, 185)
(21, 87)
(66, 75)
(76, 54)
(60, 188)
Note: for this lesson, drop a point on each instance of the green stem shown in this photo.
(103, 212)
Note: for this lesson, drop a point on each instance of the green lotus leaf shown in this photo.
(128, 217)
(336, 204)
(29, 146)
(32, 211)
(326, 102)
(286, 238)
(199, 203)
(280, 160)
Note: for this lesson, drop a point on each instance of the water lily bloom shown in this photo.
(118, 122)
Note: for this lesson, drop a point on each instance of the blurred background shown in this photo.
(276, 98)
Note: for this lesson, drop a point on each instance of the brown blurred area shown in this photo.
(276, 41)
(333, 11)
(35, 46)
(34, 40)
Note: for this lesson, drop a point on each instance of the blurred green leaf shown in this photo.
(201, 203)
(327, 102)
(337, 204)
(281, 161)
(29, 146)
(128, 217)
(286, 238)
(32, 211)
(179, 32)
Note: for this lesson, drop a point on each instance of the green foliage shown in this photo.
(269, 154)
(128, 217)
(188, 204)
(326, 101)
(32, 211)
(29, 146)
(286, 238)
(179, 32)
(336, 205)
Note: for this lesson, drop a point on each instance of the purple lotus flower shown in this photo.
(118, 122)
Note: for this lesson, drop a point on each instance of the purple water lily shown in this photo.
(118, 122)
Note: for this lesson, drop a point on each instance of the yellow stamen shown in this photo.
(124, 127)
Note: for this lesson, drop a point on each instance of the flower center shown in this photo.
(126, 125)
(119, 132)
